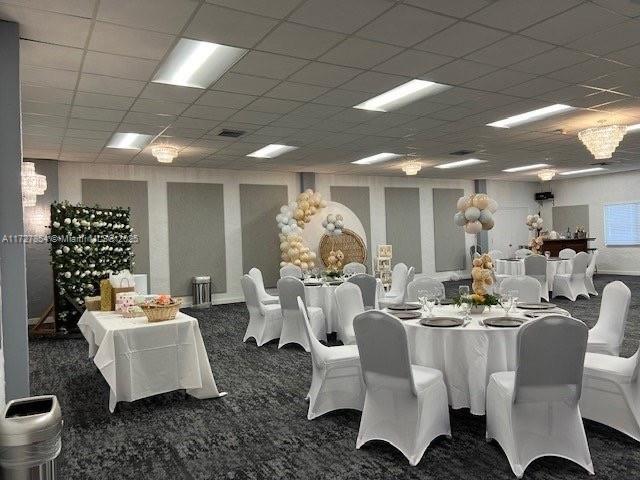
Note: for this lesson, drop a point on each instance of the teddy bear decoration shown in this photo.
(334, 260)
(482, 275)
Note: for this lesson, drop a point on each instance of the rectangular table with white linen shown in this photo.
(139, 359)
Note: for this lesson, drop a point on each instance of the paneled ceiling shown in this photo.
(86, 67)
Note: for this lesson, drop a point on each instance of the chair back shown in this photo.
(580, 263)
(291, 271)
(368, 286)
(317, 348)
(349, 302)
(398, 279)
(592, 264)
(256, 274)
(550, 362)
(496, 254)
(411, 274)
(384, 351)
(523, 253)
(424, 283)
(250, 291)
(535, 266)
(528, 288)
(289, 289)
(614, 309)
(354, 268)
(567, 253)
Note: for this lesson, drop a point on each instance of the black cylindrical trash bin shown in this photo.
(30, 438)
(201, 291)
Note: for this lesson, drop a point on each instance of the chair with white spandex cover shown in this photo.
(536, 266)
(607, 335)
(353, 268)
(591, 270)
(368, 288)
(528, 288)
(411, 274)
(395, 295)
(263, 296)
(611, 392)
(349, 303)
(405, 405)
(523, 253)
(265, 321)
(567, 253)
(291, 271)
(336, 378)
(571, 285)
(496, 254)
(424, 283)
(533, 412)
(290, 289)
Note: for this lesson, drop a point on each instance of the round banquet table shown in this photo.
(466, 356)
(515, 267)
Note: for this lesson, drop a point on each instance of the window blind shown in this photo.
(622, 224)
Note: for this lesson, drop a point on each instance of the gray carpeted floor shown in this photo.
(260, 430)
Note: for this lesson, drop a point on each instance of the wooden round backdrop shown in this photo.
(349, 243)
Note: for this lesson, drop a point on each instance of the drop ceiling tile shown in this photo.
(42, 130)
(168, 16)
(623, 7)
(299, 41)
(47, 55)
(238, 149)
(296, 91)
(458, 72)
(535, 87)
(92, 113)
(585, 71)
(109, 85)
(324, 74)
(146, 105)
(45, 108)
(404, 25)
(459, 8)
(228, 27)
(514, 15)
(225, 99)
(272, 8)
(575, 23)
(345, 16)
(237, 83)
(360, 53)
(460, 39)
(46, 94)
(209, 113)
(161, 91)
(342, 98)
(48, 77)
(279, 132)
(294, 121)
(268, 65)
(82, 124)
(44, 120)
(99, 100)
(48, 27)
(316, 110)
(499, 80)
(630, 56)
(550, 61)
(119, 66)
(256, 118)
(104, 136)
(605, 41)
(412, 63)
(119, 40)
(509, 50)
(146, 129)
(192, 133)
(422, 107)
(273, 105)
(374, 82)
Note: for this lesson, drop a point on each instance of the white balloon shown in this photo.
(324, 223)
(283, 209)
(331, 218)
(331, 227)
(473, 227)
(493, 205)
(339, 223)
(472, 214)
(485, 216)
(459, 219)
(337, 231)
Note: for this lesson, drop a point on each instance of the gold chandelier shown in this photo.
(547, 174)
(33, 184)
(412, 167)
(602, 141)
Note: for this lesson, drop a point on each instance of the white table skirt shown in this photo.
(140, 359)
(516, 268)
(466, 356)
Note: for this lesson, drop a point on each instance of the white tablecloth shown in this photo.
(516, 268)
(140, 359)
(466, 356)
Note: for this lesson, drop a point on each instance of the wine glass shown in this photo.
(547, 254)
(514, 297)
(463, 290)
(465, 305)
(428, 300)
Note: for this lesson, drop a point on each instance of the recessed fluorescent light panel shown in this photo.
(402, 95)
(531, 116)
(272, 151)
(586, 170)
(526, 167)
(632, 128)
(193, 63)
(461, 163)
(378, 158)
(129, 141)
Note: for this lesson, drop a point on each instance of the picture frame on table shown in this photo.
(385, 251)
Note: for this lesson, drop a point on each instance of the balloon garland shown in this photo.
(534, 224)
(475, 213)
(291, 220)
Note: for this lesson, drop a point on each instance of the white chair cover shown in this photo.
(290, 289)
(591, 270)
(291, 271)
(533, 412)
(405, 405)
(411, 274)
(536, 266)
(349, 302)
(395, 296)
(336, 378)
(523, 253)
(423, 283)
(607, 335)
(528, 288)
(354, 268)
(571, 285)
(263, 296)
(496, 254)
(611, 392)
(567, 253)
(368, 287)
(265, 321)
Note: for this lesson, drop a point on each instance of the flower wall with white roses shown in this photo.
(87, 244)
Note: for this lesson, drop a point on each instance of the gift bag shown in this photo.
(93, 303)
(121, 283)
(106, 303)
(124, 300)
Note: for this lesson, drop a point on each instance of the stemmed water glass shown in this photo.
(463, 290)
(428, 300)
(507, 300)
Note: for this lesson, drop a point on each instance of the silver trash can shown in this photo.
(201, 291)
(30, 438)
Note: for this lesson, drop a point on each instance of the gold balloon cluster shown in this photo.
(482, 274)
(309, 202)
(295, 252)
(335, 260)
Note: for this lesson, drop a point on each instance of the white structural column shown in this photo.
(15, 346)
